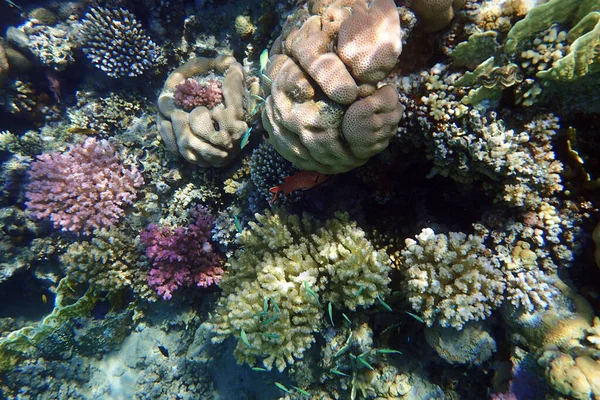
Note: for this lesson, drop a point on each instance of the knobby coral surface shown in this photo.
(207, 137)
(325, 111)
(83, 189)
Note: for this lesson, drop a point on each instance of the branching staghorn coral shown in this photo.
(289, 268)
(452, 279)
(116, 43)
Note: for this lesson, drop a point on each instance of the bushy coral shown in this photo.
(115, 42)
(109, 262)
(190, 94)
(268, 169)
(82, 189)
(451, 279)
(183, 256)
(278, 284)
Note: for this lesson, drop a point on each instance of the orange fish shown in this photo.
(303, 180)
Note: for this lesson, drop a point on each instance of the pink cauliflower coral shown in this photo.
(182, 256)
(190, 94)
(83, 189)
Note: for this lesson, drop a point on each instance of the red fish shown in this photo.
(303, 180)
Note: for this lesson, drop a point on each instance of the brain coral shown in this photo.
(324, 111)
(209, 138)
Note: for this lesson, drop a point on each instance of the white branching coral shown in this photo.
(451, 279)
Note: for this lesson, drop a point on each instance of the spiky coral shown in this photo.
(279, 282)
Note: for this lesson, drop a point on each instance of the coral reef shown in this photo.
(450, 281)
(183, 256)
(277, 285)
(115, 42)
(202, 136)
(83, 189)
(324, 111)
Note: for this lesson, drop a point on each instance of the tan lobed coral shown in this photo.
(436, 14)
(325, 111)
(209, 138)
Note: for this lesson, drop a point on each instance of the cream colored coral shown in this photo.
(324, 111)
(297, 266)
(209, 138)
(572, 375)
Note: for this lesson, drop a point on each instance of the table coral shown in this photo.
(202, 136)
(278, 284)
(450, 280)
(325, 111)
(82, 189)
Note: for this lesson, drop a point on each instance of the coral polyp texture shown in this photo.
(82, 189)
(325, 110)
(207, 137)
(115, 42)
(277, 287)
(450, 280)
(191, 94)
(182, 256)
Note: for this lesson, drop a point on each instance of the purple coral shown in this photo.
(182, 256)
(83, 189)
(190, 94)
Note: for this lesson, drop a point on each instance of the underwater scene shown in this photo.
(300, 199)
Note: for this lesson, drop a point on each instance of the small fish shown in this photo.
(360, 289)
(383, 303)
(259, 369)
(304, 392)
(330, 310)
(302, 180)
(264, 59)
(345, 347)
(335, 371)
(266, 78)
(245, 139)
(257, 97)
(164, 351)
(244, 338)
(347, 319)
(388, 351)
(272, 319)
(236, 221)
(365, 363)
(271, 335)
(44, 298)
(12, 4)
(275, 306)
(84, 131)
(265, 305)
(280, 386)
(313, 294)
(415, 317)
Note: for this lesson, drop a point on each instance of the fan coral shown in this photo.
(83, 189)
(182, 256)
(450, 279)
(116, 43)
(190, 94)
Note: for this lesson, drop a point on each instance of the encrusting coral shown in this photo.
(278, 284)
(325, 111)
(207, 137)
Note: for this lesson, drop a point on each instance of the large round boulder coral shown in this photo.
(325, 110)
(207, 137)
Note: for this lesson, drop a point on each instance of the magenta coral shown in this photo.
(182, 256)
(83, 189)
(190, 94)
